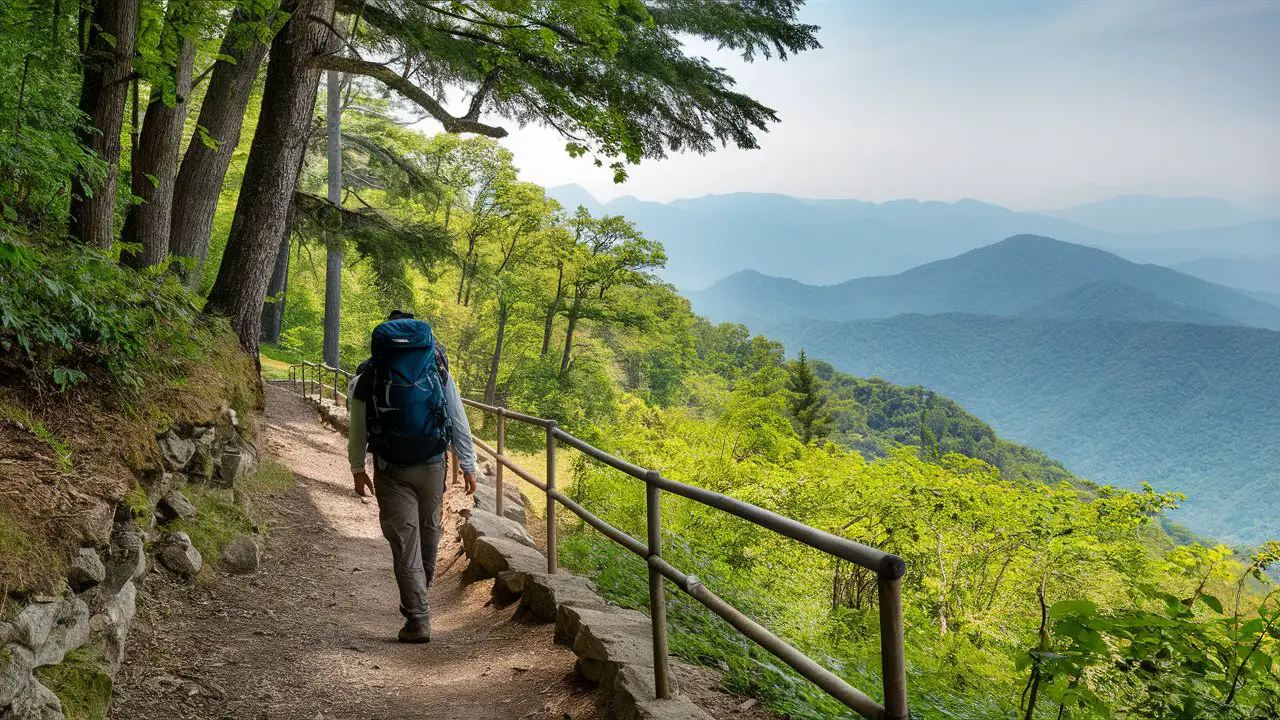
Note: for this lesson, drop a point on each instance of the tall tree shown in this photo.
(155, 160)
(808, 402)
(267, 190)
(217, 131)
(108, 65)
(333, 251)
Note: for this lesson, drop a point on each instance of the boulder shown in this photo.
(110, 626)
(206, 457)
(86, 570)
(34, 623)
(177, 554)
(570, 618)
(96, 522)
(126, 559)
(486, 499)
(496, 555)
(16, 664)
(69, 632)
(543, 594)
(238, 460)
(175, 506)
(242, 555)
(176, 451)
(608, 640)
(36, 702)
(635, 698)
(481, 523)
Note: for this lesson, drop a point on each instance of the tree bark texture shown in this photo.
(199, 182)
(333, 253)
(273, 312)
(108, 65)
(552, 309)
(269, 181)
(155, 167)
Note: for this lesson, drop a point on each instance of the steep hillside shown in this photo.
(1257, 274)
(1114, 300)
(1146, 214)
(1188, 407)
(1008, 278)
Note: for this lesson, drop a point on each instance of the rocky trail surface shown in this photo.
(311, 635)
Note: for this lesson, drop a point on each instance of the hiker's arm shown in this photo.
(357, 441)
(462, 443)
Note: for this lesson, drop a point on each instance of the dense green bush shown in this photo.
(72, 311)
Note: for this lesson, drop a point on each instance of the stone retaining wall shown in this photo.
(99, 602)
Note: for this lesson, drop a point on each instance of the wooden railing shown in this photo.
(889, 568)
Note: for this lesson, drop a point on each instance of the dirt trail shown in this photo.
(311, 636)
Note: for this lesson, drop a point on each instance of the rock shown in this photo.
(570, 618)
(110, 626)
(69, 632)
(232, 418)
(543, 594)
(238, 460)
(96, 523)
(16, 664)
(205, 459)
(242, 555)
(635, 698)
(34, 623)
(510, 583)
(36, 702)
(481, 523)
(495, 555)
(486, 499)
(86, 570)
(176, 451)
(175, 506)
(177, 554)
(126, 559)
(606, 641)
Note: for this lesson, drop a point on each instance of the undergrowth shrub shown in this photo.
(73, 312)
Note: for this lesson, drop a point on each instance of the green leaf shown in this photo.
(1212, 602)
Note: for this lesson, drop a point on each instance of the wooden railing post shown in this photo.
(657, 592)
(335, 386)
(553, 543)
(892, 653)
(500, 503)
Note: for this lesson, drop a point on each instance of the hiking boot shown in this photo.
(415, 631)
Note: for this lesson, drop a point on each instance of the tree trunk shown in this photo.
(491, 387)
(267, 191)
(108, 65)
(155, 166)
(568, 333)
(333, 254)
(552, 309)
(273, 312)
(199, 182)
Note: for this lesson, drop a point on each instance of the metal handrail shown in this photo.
(889, 568)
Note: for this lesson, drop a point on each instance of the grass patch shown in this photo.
(81, 685)
(273, 369)
(25, 557)
(30, 423)
(225, 514)
(219, 521)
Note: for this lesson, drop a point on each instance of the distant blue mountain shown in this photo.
(1023, 274)
(1148, 215)
(1256, 274)
(828, 241)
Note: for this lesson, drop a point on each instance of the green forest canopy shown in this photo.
(1030, 593)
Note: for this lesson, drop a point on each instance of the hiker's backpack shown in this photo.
(406, 415)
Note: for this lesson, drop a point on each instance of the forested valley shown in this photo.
(181, 177)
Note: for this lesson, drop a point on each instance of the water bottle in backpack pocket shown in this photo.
(406, 412)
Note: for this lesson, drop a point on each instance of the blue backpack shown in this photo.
(403, 386)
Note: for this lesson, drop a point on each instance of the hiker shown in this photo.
(405, 409)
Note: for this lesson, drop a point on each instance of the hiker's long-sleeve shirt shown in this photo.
(357, 436)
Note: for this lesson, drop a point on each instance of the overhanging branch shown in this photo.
(388, 77)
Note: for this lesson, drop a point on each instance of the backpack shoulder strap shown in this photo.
(442, 362)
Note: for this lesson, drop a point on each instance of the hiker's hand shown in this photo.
(362, 482)
(469, 481)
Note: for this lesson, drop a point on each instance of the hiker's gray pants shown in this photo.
(409, 505)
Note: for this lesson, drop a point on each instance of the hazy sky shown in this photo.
(1028, 104)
